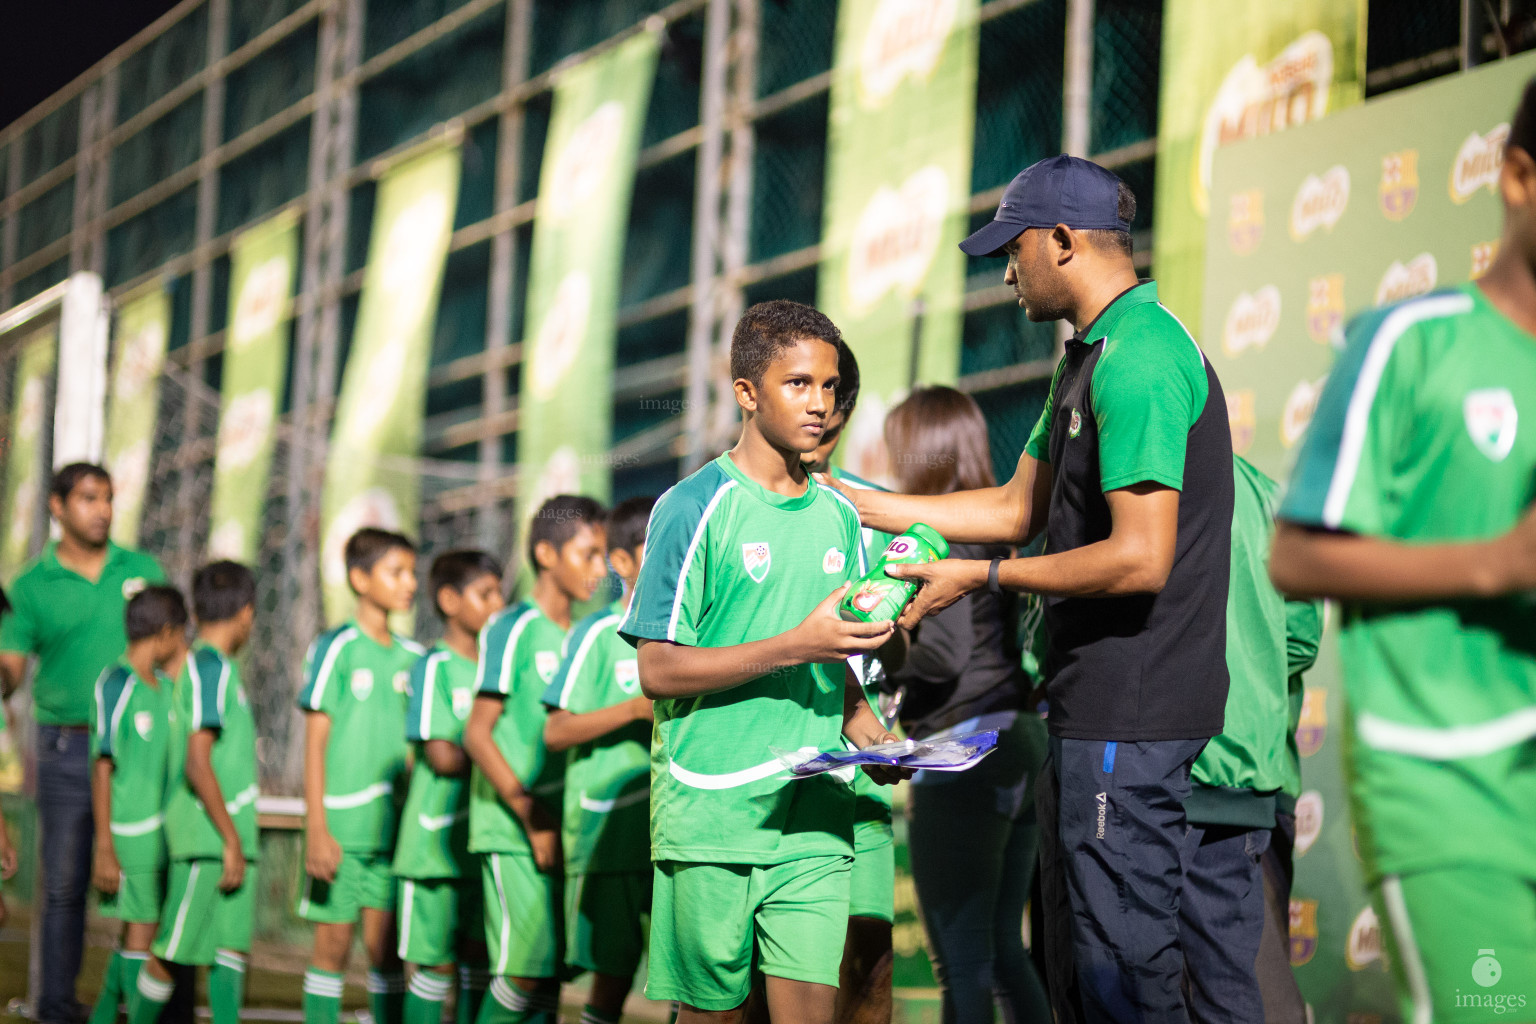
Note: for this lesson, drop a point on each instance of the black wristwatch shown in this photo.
(992, 582)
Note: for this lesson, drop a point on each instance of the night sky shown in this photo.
(49, 43)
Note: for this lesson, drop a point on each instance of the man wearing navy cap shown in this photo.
(1128, 473)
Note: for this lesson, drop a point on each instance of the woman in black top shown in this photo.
(972, 834)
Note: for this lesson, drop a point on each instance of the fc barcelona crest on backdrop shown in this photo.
(1313, 726)
(1399, 188)
(1242, 418)
(757, 558)
(1245, 221)
(1325, 307)
(1303, 931)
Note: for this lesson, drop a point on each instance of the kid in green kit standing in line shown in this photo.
(210, 813)
(515, 798)
(598, 714)
(740, 644)
(355, 678)
(441, 912)
(132, 719)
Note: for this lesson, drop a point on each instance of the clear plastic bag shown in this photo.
(946, 754)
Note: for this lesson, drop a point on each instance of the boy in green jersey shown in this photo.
(740, 645)
(1411, 504)
(355, 678)
(864, 991)
(440, 900)
(600, 723)
(210, 811)
(132, 719)
(8, 861)
(515, 798)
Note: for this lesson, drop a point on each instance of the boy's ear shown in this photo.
(746, 394)
(622, 561)
(357, 579)
(449, 601)
(545, 555)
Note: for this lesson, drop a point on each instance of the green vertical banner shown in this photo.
(24, 457)
(903, 111)
(262, 262)
(369, 480)
(1389, 199)
(143, 324)
(1238, 69)
(585, 186)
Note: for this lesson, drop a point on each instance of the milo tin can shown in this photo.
(878, 597)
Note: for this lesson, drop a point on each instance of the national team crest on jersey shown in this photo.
(546, 663)
(362, 683)
(462, 699)
(1491, 420)
(1313, 726)
(627, 674)
(1075, 426)
(833, 561)
(143, 723)
(757, 558)
(1303, 931)
(1399, 188)
(402, 682)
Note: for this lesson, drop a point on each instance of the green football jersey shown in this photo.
(607, 781)
(434, 830)
(131, 723)
(728, 562)
(361, 684)
(519, 655)
(210, 695)
(1416, 439)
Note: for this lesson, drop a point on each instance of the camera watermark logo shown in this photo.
(1486, 973)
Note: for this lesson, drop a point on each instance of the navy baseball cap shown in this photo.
(1057, 190)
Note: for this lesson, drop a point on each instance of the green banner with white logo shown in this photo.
(1378, 203)
(1238, 69)
(585, 185)
(369, 478)
(262, 262)
(24, 455)
(903, 109)
(143, 325)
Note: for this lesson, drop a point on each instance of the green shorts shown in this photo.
(138, 897)
(605, 920)
(1462, 944)
(709, 919)
(872, 885)
(199, 920)
(440, 920)
(362, 880)
(523, 919)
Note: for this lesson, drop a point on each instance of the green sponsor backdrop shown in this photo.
(1371, 205)
(262, 263)
(903, 108)
(143, 325)
(368, 479)
(1236, 69)
(585, 187)
(24, 455)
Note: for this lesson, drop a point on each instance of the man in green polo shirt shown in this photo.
(68, 611)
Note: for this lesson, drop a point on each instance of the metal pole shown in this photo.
(503, 272)
(9, 238)
(706, 233)
(1474, 25)
(1076, 102)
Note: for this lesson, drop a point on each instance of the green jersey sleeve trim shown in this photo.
(112, 689)
(659, 609)
(498, 645)
(320, 666)
(1038, 447)
(579, 645)
(422, 702)
(1329, 464)
(209, 675)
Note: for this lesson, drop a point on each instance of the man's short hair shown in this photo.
(847, 381)
(66, 477)
(769, 328)
(456, 570)
(152, 609)
(1522, 127)
(221, 590)
(1118, 241)
(558, 520)
(368, 545)
(627, 523)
